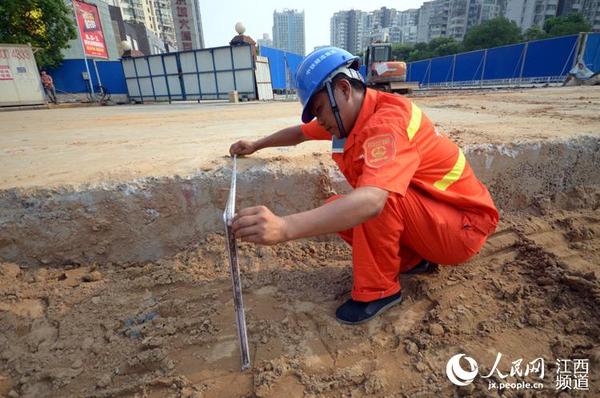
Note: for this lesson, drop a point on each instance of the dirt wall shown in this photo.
(151, 218)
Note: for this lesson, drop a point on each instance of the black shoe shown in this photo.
(355, 312)
(424, 267)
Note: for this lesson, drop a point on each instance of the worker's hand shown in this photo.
(242, 147)
(259, 225)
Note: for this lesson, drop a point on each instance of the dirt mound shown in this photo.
(167, 328)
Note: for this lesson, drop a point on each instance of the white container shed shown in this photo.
(20, 82)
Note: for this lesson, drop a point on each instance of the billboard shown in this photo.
(186, 16)
(90, 29)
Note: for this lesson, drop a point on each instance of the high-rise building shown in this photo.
(288, 31)
(177, 22)
(433, 20)
(354, 30)
(338, 26)
(453, 18)
(404, 28)
(163, 24)
(590, 9)
(348, 30)
(527, 13)
(464, 14)
(458, 17)
(265, 41)
(447, 18)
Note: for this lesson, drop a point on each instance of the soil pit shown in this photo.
(114, 280)
(167, 328)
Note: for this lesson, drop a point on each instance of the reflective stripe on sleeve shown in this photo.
(453, 175)
(415, 122)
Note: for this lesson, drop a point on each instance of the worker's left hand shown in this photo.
(259, 225)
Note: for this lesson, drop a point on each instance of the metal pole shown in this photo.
(523, 61)
(580, 46)
(453, 70)
(97, 73)
(87, 68)
(429, 70)
(483, 68)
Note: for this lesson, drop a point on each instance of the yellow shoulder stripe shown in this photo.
(415, 122)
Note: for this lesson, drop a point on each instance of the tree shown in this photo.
(534, 33)
(420, 51)
(493, 33)
(46, 24)
(566, 25)
(437, 47)
(441, 46)
(401, 52)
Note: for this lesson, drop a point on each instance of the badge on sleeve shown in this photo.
(379, 150)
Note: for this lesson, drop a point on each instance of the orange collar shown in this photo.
(366, 111)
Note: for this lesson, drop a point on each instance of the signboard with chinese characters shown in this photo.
(187, 26)
(90, 29)
(19, 79)
(5, 73)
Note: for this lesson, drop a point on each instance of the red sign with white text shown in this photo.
(90, 29)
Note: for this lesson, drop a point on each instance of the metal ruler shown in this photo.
(238, 302)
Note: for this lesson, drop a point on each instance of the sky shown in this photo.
(219, 17)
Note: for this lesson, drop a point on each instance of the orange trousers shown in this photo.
(410, 228)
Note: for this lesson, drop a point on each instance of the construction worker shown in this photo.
(48, 84)
(415, 198)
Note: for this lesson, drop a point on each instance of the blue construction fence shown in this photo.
(548, 60)
(68, 77)
(591, 55)
(283, 66)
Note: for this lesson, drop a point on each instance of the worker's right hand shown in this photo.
(242, 147)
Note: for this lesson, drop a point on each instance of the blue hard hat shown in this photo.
(315, 69)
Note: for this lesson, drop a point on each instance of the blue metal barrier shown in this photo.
(441, 69)
(540, 61)
(68, 77)
(591, 55)
(418, 71)
(503, 62)
(469, 66)
(282, 63)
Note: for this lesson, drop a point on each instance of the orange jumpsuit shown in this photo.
(436, 208)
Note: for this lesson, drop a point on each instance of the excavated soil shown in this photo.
(167, 328)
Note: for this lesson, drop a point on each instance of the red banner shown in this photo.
(90, 29)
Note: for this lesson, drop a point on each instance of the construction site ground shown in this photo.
(97, 144)
(166, 328)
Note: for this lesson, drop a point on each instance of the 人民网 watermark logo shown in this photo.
(571, 374)
(457, 374)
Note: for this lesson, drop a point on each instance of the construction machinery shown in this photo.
(385, 74)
